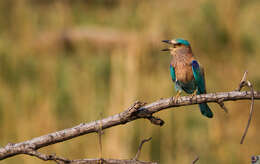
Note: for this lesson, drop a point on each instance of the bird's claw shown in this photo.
(194, 93)
(177, 97)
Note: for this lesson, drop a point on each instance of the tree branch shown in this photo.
(136, 111)
(140, 147)
(195, 160)
(242, 84)
(61, 160)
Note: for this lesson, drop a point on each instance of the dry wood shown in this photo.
(136, 111)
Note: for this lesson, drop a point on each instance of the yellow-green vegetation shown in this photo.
(67, 62)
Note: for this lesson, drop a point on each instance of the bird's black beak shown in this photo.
(166, 49)
(167, 41)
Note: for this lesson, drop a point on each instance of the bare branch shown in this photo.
(45, 157)
(222, 105)
(109, 161)
(100, 139)
(242, 84)
(136, 111)
(195, 160)
(140, 147)
(61, 160)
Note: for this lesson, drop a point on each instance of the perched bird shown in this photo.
(186, 72)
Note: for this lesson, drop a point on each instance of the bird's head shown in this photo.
(177, 44)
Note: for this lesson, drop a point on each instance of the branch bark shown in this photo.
(136, 111)
(242, 84)
(61, 160)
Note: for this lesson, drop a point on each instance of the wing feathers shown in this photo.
(173, 73)
(198, 74)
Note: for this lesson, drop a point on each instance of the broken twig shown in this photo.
(242, 84)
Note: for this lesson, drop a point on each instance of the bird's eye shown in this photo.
(176, 45)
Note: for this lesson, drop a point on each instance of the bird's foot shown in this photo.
(194, 93)
(177, 96)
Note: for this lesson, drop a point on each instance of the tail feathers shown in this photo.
(205, 110)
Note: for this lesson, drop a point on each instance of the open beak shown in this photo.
(166, 49)
(168, 42)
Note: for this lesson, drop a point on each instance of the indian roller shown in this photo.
(186, 72)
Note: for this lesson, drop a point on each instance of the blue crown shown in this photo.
(182, 41)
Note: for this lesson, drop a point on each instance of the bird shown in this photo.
(186, 72)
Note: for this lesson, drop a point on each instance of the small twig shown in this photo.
(251, 112)
(156, 120)
(44, 157)
(110, 161)
(100, 140)
(222, 105)
(242, 84)
(134, 108)
(61, 160)
(140, 147)
(195, 160)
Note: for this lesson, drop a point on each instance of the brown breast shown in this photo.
(183, 72)
(183, 68)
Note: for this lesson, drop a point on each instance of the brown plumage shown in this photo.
(181, 60)
(186, 72)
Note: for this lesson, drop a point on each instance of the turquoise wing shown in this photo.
(173, 73)
(198, 74)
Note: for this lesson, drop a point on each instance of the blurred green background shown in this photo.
(65, 62)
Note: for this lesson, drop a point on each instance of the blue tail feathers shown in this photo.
(205, 110)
